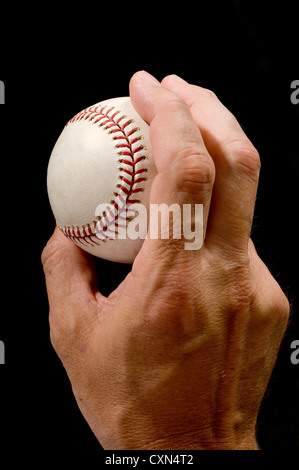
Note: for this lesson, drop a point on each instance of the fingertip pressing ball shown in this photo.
(101, 167)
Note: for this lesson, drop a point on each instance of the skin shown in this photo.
(180, 354)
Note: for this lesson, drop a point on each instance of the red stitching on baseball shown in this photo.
(90, 233)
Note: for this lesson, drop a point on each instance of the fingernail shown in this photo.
(148, 77)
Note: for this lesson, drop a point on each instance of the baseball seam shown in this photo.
(127, 143)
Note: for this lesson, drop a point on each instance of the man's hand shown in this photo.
(180, 354)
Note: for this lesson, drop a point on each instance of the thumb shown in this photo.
(72, 292)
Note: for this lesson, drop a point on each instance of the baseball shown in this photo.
(100, 169)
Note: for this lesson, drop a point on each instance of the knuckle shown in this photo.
(62, 335)
(271, 319)
(279, 307)
(57, 334)
(244, 156)
(176, 105)
(271, 308)
(194, 171)
(51, 255)
(209, 93)
(48, 252)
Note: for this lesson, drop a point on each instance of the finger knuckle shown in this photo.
(210, 94)
(278, 309)
(244, 157)
(270, 320)
(51, 255)
(194, 171)
(48, 252)
(176, 105)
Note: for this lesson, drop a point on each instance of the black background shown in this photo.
(53, 66)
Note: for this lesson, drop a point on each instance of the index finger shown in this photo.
(185, 168)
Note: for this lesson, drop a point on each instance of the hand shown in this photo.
(180, 354)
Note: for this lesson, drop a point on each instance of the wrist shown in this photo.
(194, 442)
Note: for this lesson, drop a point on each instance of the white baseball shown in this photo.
(103, 156)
